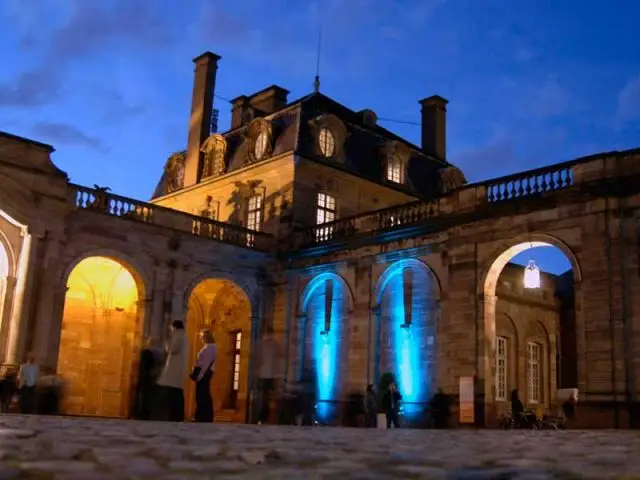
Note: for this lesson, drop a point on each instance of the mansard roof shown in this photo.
(292, 131)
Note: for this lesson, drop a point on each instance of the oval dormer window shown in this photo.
(260, 147)
(327, 142)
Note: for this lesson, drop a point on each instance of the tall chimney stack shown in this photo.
(434, 126)
(204, 83)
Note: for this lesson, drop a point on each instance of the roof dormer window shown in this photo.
(395, 169)
(260, 145)
(327, 142)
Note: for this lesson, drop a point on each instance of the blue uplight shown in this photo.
(408, 327)
(325, 341)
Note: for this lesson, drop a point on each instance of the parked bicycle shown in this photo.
(529, 420)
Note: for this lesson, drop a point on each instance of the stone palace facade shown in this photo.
(363, 252)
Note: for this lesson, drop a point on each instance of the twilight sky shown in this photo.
(531, 83)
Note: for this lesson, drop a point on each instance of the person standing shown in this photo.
(175, 371)
(268, 362)
(391, 405)
(150, 364)
(201, 374)
(27, 381)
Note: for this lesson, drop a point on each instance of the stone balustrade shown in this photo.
(101, 201)
(524, 186)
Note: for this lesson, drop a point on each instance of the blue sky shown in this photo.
(531, 83)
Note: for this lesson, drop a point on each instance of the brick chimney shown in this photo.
(204, 82)
(434, 126)
(260, 104)
(239, 106)
(270, 99)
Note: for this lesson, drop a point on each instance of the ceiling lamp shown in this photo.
(531, 275)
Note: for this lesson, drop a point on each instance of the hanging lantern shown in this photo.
(531, 275)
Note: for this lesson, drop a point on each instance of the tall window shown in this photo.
(254, 217)
(533, 372)
(501, 368)
(236, 338)
(394, 169)
(325, 213)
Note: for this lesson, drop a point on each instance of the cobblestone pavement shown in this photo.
(88, 449)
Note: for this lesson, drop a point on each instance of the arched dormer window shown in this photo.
(174, 172)
(396, 162)
(214, 149)
(329, 135)
(260, 136)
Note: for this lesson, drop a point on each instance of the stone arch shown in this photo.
(316, 282)
(136, 268)
(407, 304)
(397, 266)
(322, 338)
(100, 335)
(488, 279)
(223, 306)
(501, 256)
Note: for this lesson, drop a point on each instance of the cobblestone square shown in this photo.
(88, 449)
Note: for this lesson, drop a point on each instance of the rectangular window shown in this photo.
(325, 213)
(254, 218)
(533, 372)
(394, 170)
(501, 369)
(236, 339)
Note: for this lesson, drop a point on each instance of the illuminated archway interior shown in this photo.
(4, 261)
(4, 273)
(407, 330)
(100, 338)
(325, 337)
(222, 307)
(532, 331)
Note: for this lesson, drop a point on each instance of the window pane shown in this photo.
(321, 199)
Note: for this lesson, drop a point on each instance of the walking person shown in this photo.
(269, 355)
(151, 358)
(201, 374)
(175, 372)
(391, 405)
(27, 382)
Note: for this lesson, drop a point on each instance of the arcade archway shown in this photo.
(100, 338)
(529, 325)
(324, 339)
(407, 309)
(222, 307)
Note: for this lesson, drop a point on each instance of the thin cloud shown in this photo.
(34, 88)
(629, 101)
(66, 134)
(86, 29)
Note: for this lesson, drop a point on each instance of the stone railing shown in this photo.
(101, 201)
(377, 221)
(530, 183)
(526, 185)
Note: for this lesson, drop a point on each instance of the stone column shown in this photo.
(485, 383)
(156, 317)
(7, 289)
(23, 299)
